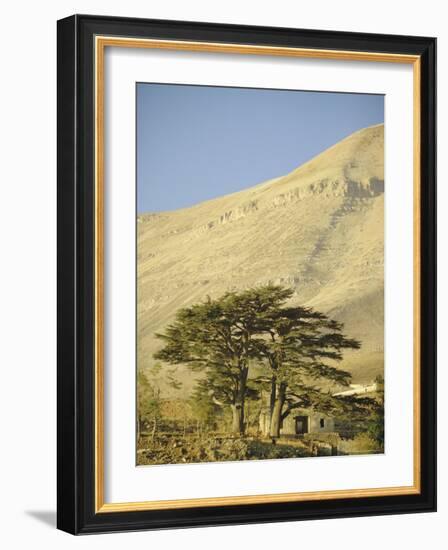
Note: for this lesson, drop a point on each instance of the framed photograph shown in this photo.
(246, 274)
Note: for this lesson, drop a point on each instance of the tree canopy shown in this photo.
(295, 347)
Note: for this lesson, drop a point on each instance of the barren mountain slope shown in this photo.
(318, 229)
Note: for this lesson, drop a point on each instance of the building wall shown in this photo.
(314, 424)
(316, 427)
(288, 425)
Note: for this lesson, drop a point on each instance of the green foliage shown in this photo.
(294, 347)
(204, 409)
(222, 337)
(375, 427)
(148, 400)
(298, 345)
(375, 424)
(362, 443)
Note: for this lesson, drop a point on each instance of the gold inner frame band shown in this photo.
(101, 42)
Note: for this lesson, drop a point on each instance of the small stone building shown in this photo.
(301, 423)
(307, 422)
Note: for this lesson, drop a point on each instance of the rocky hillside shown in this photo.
(319, 229)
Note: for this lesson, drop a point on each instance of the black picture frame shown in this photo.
(76, 256)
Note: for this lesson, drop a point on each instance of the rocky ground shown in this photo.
(179, 449)
(189, 449)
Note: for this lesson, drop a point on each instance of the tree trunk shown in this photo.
(237, 418)
(273, 396)
(154, 428)
(276, 417)
(238, 406)
(139, 429)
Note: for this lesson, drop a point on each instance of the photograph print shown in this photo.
(260, 274)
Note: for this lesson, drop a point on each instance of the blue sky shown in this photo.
(195, 143)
